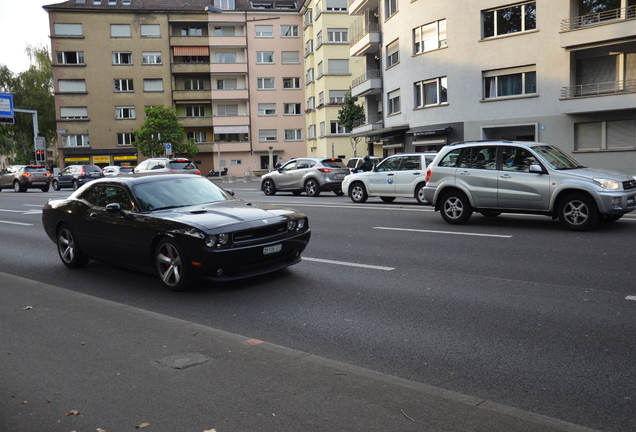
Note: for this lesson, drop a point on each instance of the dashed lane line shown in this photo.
(443, 232)
(350, 264)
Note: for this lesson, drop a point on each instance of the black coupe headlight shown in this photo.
(291, 225)
(301, 223)
(217, 240)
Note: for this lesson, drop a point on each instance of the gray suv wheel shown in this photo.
(455, 208)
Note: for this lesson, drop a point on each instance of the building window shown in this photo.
(511, 19)
(308, 18)
(153, 85)
(150, 30)
(124, 85)
(125, 112)
(264, 31)
(266, 109)
(390, 8)
(309, 47)
(226, 57)
(226, 84)
(74, 113)
(605, 135)
(510, 82)
(267, 135)
(289, 31)
(266, 83)
(338, 35)
(150, 58)
(290, 57)
(71, 86)
(63, 29)
(291, 83)
(337, 128)
(338, 67)
(195, 110)
(429, 37)
(337, 96)
(264, 57)
(431, 92)
(227, 110)
(293, 134)
(191, 31)
(75, 141)
(125, 139)
(70, 57)
(336, 5)
(311, 103)
(224, 31)
(393, 104)
(310, 75)
(236, 162)
(393, 53)
(122, 58)
(120, 30)
(292, 109)
(193, 84)
(197, 136)
(224, 4)
(320, 69)
(312, 131)
(321, 99)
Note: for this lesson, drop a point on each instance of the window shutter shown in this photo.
(68, 29)
(338, 67)
(120, 30)
(153, 85)
(588, 135)
(291, 57)
(81, 112)
(621, 133)
(71, 85)
(151, 30)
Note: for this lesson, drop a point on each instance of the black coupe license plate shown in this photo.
(272, 249)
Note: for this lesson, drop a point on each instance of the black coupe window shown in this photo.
(101, 195)
(171, 193)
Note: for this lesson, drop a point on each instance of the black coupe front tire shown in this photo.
(67, 248)
(171, 265)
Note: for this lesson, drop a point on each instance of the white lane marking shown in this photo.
(15, 223)
(31, 212)
(350, 264)
(33, 205)
(630, 298)
(443, 232)
(12, 211)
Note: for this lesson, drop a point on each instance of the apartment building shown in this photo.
(235, 78)
(561, 72)
(328, 73)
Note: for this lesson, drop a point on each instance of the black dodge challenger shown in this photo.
(180, 226)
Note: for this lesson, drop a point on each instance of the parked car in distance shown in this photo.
(117, 170)
(311, 175)
(74, 176)
(355, 162)
(401, 175)
(167, 166)
(180, 227)
(494, 177)
(23, 177)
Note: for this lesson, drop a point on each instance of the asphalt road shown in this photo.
(512, 309)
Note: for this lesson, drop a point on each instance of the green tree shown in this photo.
(32, 90)
(162, 126)
(349, 115)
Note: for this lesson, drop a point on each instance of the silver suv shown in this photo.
(167, 166)
(494, 177)
(311, 175)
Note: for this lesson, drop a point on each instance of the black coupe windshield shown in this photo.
(168, 192)
(558, 159)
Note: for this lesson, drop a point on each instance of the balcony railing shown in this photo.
(370, 74)
(358, 31)
(365, 121)
(599, 89)
(598, 18)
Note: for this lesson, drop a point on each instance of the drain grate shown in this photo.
(184, 361)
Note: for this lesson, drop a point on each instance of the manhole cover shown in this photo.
(184, 361)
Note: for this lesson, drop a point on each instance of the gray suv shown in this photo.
(311, 175)
(494, 177)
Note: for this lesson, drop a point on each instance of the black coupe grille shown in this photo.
(259, 233)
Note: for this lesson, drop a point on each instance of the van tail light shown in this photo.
(428, 174)
(325, 170)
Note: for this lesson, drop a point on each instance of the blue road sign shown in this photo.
(6, 105)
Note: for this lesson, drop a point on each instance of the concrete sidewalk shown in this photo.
(72, 362)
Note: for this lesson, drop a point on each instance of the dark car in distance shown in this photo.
(23, 177)
(74, 176)
(180, 227)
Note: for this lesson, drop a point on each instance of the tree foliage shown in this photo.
(349, 115)
(32, 90)
(162, 126)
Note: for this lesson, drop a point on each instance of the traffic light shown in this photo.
(39, 156)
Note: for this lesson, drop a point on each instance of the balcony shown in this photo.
(228, 41)
(599, 97)
(368, 84)
(230, 94)
(367, 126)
(240, 120)
(198, 68)
(233, 146)
(189, 41)
(194, 95)
(365, 39)
(599, 27)
(357, 7)
(228, 68)
(196, 121)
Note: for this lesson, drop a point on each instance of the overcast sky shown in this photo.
(22, 22)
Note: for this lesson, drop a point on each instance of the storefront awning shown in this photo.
(191, 51)
(426, 131)
(231, 129)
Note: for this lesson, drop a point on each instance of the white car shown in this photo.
(117, 170)
(398, 176)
